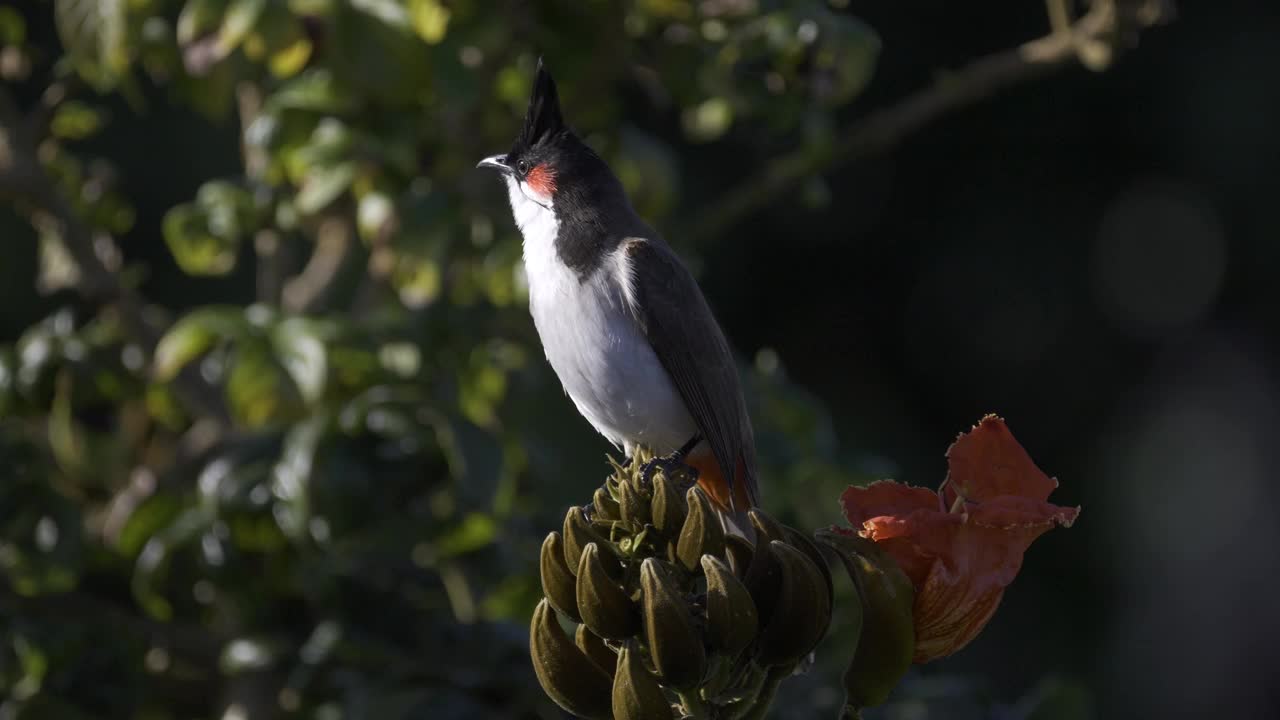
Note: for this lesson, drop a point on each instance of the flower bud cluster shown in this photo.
(676, 617)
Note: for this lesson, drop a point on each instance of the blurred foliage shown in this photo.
(295, 502)
(326, 499)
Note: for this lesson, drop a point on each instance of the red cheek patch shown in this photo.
(542, 179)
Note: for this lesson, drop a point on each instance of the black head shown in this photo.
(547, 157)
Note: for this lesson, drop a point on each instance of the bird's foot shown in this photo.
(674, 467)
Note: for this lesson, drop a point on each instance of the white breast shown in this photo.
(602, 359)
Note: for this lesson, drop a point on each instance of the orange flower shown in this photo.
(963, 545)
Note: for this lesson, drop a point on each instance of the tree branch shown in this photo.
(1090, 40)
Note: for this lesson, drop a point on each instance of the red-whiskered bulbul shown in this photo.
(621, 319)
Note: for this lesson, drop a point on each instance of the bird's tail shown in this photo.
(732, 500)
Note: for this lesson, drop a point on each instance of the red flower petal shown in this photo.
(885, 497)
(913, 540)
(949, 614)
(961, 556)
(988, 462)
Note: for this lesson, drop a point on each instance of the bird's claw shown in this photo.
(673, 466)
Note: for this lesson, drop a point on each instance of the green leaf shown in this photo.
(709, 120)
(94, 32)
(58, 269)
(197, 250)
(194, 335)
(13, 28)
(430, 19)
(313, 89)
(284, 40)
(301, 350)
(291, 476)
(236, 24)
(152, 565)
(228, 209)
(259, 391)
(848, 49)
(74, 120)
(323, 185)
(146, 520)
(474, 532)
(199, 18)
(388, 11)
(209, 87)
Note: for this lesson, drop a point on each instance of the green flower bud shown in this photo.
(674, 643)
(801, 542)
(632, 503)
(636, 693)
(603, 605)
(767, 529)
(606, 508)
(569, 678)
(763, 576)
(738, 551)
(887, 641)
(731, 613)
(668, 506)
(578, 533)
(702, 533)
(594, 648)
(722, 670)
(557, 582)
(802, 612)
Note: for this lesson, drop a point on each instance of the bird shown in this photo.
(621, 319)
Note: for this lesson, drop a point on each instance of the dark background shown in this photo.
(1091, 255)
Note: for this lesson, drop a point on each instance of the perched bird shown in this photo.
(622, 321)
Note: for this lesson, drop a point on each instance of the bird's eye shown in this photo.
(523, 166)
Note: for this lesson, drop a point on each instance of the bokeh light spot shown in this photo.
(1160, 258)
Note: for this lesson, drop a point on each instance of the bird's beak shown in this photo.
(497, 162)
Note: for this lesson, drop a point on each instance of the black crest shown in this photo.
(543, 119)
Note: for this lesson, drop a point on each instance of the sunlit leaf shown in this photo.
(198, 18)
(228, 208)
(374, 212)
(58, 270)
(145, 520)
(259, 390)
(323, 185)
(288, 47)
(709, 120)
(197, 250)
(193, 335)
(430, 19)
(94, 32)
(237, 22)
(301, 349)
(75, 120)
(474, 532)
(291, 477)
(389, 12)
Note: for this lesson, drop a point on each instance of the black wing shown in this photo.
(679, 325)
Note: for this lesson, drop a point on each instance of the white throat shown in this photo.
(536, 218)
